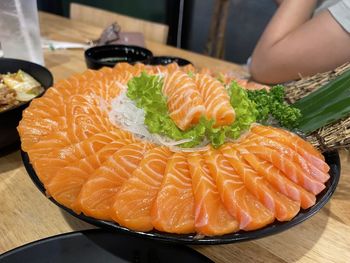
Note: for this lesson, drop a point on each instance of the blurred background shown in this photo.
(190, 21)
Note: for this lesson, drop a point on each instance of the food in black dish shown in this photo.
(109, 55)
(165, 60)
(17, 88)
(10, 117)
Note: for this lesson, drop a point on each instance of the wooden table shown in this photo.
(26, 215)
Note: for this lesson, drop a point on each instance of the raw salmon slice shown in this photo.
(299, 145)
(140, 67)
(160, 70)
(188, 69)
(205, 71)
(165, 69)
(129, 71)
(103, 89)
(85, 105)
(89, 75)
(284, 209)
(83, 114)
(41, 118)
(85, 120)
(172, 67)
(290, 154)
(211, 216)
(62, 139)
(47, 144)
(65, 88)
(279, 181)
(134, 200)
(32, 130)
(46, 106)
(241, 204)
(173, 209)
(55, 158)
(289, 168)
(184, 102)
(123, 66)
(66, 184)
(216, 100)
(98, 193)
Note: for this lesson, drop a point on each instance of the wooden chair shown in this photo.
(152, 31)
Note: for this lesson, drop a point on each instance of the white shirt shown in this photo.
(340, 10)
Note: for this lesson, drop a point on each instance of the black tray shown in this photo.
(332, 158)
(101, 246)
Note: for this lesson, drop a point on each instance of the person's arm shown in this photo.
(294, 45)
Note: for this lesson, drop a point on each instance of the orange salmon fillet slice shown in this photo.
(241, 204)
(211, 216)
(47, 165)
(292, 140)
(216, 100)
(173, 209)
(284, 209)
(98, 193)
(66, 184)
(294, 172)
(290, 154)
(184, 102)
(135, 198)
(279, 181)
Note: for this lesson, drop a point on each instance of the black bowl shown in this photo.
(109, 55)
(165, 60)
(10, 118)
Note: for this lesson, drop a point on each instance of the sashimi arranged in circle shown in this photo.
(114, 169)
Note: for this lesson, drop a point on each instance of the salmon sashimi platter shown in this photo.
(172, 152)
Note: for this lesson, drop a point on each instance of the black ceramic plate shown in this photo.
(101, 246)
(332, 159)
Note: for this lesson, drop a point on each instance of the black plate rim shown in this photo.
(86, 232)
(332, 159)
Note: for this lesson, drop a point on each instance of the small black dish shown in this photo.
(10, 118)
(332, 159)
(101, 246)
(109, 55)
(165, 60)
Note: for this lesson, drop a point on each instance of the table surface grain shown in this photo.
(26, 215)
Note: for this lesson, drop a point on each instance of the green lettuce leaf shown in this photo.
(246, 112)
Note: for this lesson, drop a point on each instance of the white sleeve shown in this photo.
(341, 13)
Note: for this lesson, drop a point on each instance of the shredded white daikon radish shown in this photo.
(168, 142)
(203, 146)
(126, 115)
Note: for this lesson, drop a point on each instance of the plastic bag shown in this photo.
(19, 30)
